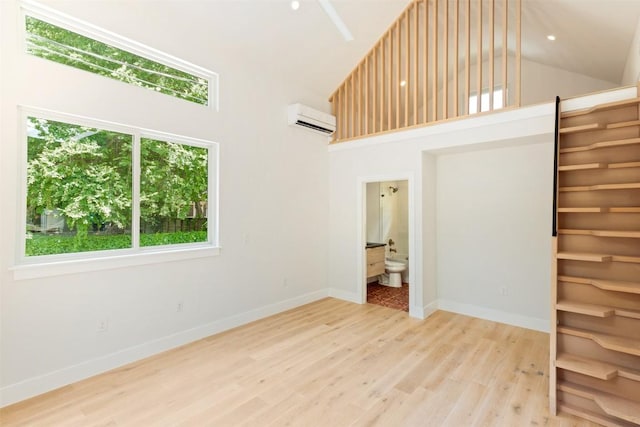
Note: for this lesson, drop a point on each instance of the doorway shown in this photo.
(387, 231)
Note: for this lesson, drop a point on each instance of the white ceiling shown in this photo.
(593, 36)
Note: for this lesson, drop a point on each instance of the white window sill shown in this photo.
(73, 266)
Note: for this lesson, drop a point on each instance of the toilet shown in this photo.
(393, 276)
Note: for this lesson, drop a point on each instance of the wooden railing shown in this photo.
(428, 67)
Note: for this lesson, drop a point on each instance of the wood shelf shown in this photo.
(623, 124)
(588, 309)
(602, 144)
(596, 310)
(591, 166)
(583, 128)
(587, 166)
(601, 233)
(582, 210)
(607, 285)
(599, 126)
(615, 406)
(592, 416)
(623, 165)
(591, 257)
(610, 342)
(622, 258)
(624, 312)
(629, 209)
(580, 256)
(595, 368)
(623, 186)
(602, 107)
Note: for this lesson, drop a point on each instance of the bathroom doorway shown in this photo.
(387, 231)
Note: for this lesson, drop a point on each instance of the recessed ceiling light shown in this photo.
(403, 83)
(295, 5)
(551, 37)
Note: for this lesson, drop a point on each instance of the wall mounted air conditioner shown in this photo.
(311, 119)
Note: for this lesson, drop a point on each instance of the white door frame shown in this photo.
(415, 310)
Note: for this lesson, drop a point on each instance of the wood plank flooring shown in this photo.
(329, 363)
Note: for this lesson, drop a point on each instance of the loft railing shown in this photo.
(428, 67)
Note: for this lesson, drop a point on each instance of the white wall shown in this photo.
(415, 154)
(429, 236)
(542, 83)
(494, 231)
(273, 215)
(631, 74)
(401, 200)
(373, 212)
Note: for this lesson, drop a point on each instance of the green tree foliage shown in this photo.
(83, 172)
(86, 175)
(66, 47)
(173, 178)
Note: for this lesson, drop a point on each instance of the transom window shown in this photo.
(60, 38)
(93, 186)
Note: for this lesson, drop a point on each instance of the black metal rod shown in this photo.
(556, 150)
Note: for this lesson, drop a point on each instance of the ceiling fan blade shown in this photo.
(335, 18)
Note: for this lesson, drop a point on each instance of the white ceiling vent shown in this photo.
(311, 119)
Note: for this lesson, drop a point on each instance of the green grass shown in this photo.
(61, 244)
(173, 238)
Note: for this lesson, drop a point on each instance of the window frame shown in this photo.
(485, 91)
(49, 265)
(67, 22)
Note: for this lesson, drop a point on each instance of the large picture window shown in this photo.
(96, 187)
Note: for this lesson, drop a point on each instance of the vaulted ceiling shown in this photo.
(593, 36)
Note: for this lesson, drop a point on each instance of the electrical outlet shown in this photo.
(180, 307)
(285, 282)
(102, 325)
(504, 291)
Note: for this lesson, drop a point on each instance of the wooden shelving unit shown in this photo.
(595, 336)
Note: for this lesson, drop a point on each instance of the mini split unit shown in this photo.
(311, 119)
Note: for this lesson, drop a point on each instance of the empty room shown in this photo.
(320, 213)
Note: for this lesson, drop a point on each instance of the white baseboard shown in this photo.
(416, 312)
(429, 309)
(423, 312)
(34, 386)
(345, 295)
(534, 323)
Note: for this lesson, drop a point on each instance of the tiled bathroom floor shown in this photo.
(397, 298)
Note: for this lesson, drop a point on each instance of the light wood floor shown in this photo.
(330, 363)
